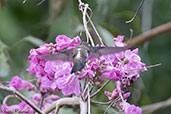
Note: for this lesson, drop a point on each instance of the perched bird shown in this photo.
(79, 55)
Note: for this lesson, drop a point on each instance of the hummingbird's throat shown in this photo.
(78, 55)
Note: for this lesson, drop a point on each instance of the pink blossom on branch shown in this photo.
(19, 84)
(122, 66)
(21, 107)
(55, 76)
(50, 72)
(132, 109)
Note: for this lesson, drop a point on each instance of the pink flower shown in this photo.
(16, 82)
(86, 73)
(118, 42)
(21, 107)
(62, 41)
(69, 84)
(36, 97)
(44, 49)
(126, 95)
(75, 42)
(132, 109)
(63, 69)
(132, 55)
(115, 94)
(111, 73)
(28, 86)
(54, 97)
(19, 84)
(45, 85)
(25, 107)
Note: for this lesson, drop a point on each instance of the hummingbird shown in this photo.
(79, 55)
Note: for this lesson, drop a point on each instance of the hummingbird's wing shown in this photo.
(64, 56)
(100, 51)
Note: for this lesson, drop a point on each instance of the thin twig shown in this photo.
(152, 66)
(150, 34)
(23, 98)
(95, 30)
(41, 2)
(95, 93)
(131, 33)
(156, 106)
(130, 37)
(41, 102)
(61, 102)
(88, 95)
(99, 102)
(83, 7)
(84, 91)
(7, 97)
(111, 103)
(24, 1)
(120, 92)
(135, 14)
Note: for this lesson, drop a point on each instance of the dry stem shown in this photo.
(149, 34)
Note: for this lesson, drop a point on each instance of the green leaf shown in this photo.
(2, 55)
(3, 45)
(106, 35)
(34, 40)
(64, 24)
(4, 69)
(137, 23)
(4, 66)
(9, 30)
(66, 111)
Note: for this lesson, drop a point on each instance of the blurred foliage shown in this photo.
(26, 26)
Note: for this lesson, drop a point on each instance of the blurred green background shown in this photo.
(28, 25)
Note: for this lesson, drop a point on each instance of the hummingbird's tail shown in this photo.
(78, 66)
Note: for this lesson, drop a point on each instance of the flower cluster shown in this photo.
(20, 84)
(53, 76)
(132, 109)
(23, 107)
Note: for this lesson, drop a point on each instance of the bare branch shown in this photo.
(41, 2)
(83, 8)
(95, 93)
(111, 103)
(61, 102)
(99, 102)
(24, 1)
(23, 98)
(139, 7)
(94, 28)
(120, 92)
(155, 65)
(156, 106)
(88, 101)
(8, 97)
(83, 107)
(150, 34)
(41, 102)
